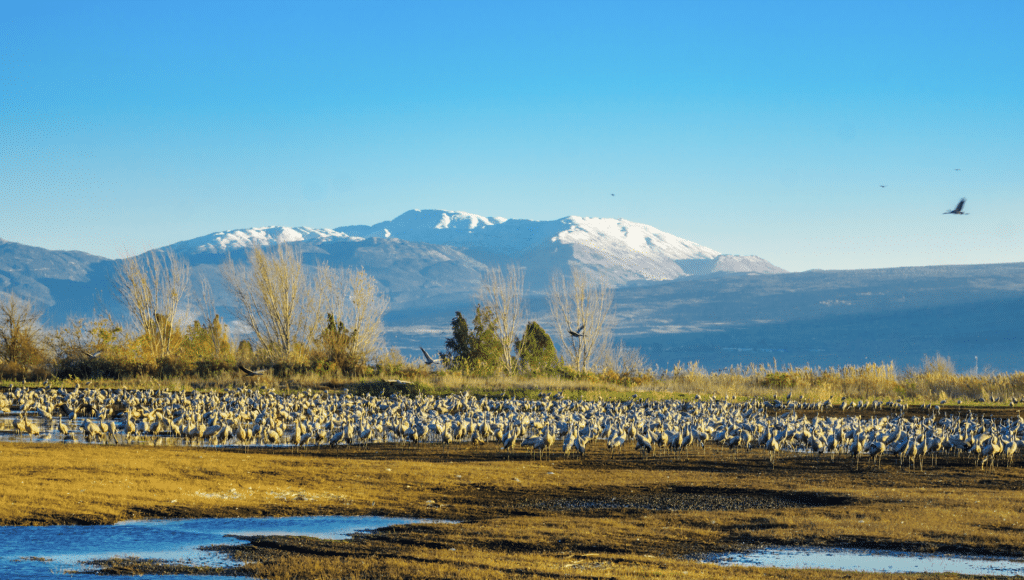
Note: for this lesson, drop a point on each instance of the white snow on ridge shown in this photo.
(615, 238)
(469, 221)
(626, 236)
(260, 236)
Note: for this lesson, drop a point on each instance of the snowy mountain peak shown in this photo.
(260, 236)
(509, 236)
(630, 236)
(619, 250)
(464, 220)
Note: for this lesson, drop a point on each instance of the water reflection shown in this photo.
(34, 551)
(873, 561)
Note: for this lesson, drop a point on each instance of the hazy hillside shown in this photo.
(833, 317)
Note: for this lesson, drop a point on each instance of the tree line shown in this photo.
(580, 307)
(297, 317)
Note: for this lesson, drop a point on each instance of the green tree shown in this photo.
(535, 349)
(207, 341)
(478, 348)
(339, 346)
(459, 346)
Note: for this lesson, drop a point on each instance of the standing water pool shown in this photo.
(35, 551)
(872, 561)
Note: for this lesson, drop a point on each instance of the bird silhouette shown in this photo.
(578, 333)
(959, 209)
(94, 354)
(250, 372)
(430, 361)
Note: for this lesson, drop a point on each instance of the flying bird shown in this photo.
(959, 209)
(94, 354)
(578, 333)
(251, 373)
(430, 361)
(881, 186)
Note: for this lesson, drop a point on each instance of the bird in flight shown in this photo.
(251, 373)
(881, 186)
(959, 209)
(430, 361)
(578, 333)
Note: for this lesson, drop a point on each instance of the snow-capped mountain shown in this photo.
(619, 250)
(222, 242)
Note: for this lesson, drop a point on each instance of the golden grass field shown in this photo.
(511, 509)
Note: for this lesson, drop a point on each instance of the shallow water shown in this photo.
(872, 561)
(34, 551)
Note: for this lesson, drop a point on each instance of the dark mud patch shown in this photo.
(684, 498)
(144, 566)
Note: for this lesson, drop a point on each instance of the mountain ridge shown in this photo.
(619, 250)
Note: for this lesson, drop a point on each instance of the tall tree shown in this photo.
(20, 332)
(581, 308)
(503, 295)
(477, 348)
(358, 302)
(154, 289)
(535, 349)
(277, 298)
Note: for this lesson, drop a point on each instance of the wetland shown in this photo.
(616, 511)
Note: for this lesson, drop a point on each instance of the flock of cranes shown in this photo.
(244, 416)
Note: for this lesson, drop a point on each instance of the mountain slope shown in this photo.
(615, 250)
(30, 272)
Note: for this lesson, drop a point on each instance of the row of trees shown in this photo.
(294, 313)
(300, 314)
(580, 307)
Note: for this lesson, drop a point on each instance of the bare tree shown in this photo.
(502, 293)
(581, 309)
(215, 329)
(154, 289)
(369, 303)
(20, 332)
(358, 301)
(276, 298)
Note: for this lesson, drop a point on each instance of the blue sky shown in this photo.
(760, 128)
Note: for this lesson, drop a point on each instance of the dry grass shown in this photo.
(936, 380)
(504, 532)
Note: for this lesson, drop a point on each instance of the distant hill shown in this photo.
(53, 279)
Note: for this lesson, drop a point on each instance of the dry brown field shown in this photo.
(611, 515)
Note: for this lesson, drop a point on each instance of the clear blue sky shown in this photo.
(760, 127)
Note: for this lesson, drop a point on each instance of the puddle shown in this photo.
(34, 551)
(872, 561)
